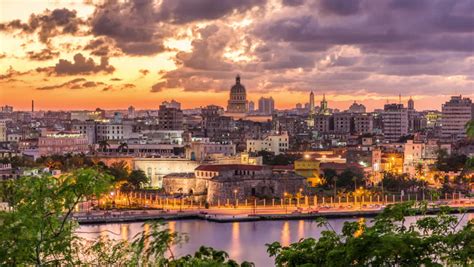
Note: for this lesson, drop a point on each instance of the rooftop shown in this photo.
(229, 167)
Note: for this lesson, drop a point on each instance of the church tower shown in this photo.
(238, 98)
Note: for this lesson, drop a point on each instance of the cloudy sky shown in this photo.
(112, 54)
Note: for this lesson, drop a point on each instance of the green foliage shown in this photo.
(119, 170)
(396, 182)
(447, 163)
(18, 162)
(470, 129)
(329, 175)
(350, 178)
(38, 229)
(65, 162)
(137, 178)
(269, 158)
(388, 241)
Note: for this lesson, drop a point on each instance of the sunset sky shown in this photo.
(113, 54)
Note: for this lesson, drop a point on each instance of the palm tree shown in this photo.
(419, 170)
(122, 147)
(103, 145)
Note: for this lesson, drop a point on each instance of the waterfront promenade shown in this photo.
(232, 213)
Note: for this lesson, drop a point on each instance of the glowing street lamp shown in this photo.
(235, 197)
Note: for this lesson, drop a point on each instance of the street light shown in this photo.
(284, 200)
(235, 197)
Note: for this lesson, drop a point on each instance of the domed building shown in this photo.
(238, 98)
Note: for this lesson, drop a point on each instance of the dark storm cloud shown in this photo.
(78, 83)
(47, 24)
(184, 11)
(44, 54)
(62, 85)
(132, 25)
(138, 27)
(435, 25)
(292, 2)
(103, 47)
(82, 65)
(340, 7)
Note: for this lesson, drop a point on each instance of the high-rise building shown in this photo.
(311, 103)
(238, 98)
(395, 122)
(411, 116)
(455, 114)
(251, 106)
(266, 105)
(363, 123)
(172, 104)
(299, 106)
(411, 104)
(131, 112)
(170, 118)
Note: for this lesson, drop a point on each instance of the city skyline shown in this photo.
(82, 55)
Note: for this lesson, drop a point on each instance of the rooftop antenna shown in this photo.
(399, 98)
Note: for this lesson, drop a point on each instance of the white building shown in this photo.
(274, 142)
(113, 131)
(455, 114)
(156, 168)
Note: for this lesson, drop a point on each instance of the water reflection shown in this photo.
(285, 234)
(243, 241)
(235, 243)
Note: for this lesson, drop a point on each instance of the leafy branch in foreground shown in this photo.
(388, 241)
(38, 230)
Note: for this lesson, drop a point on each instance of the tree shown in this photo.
(330, 175)
(38, 230)
(103, 145)
(419, 170)
(137, 178)
(387, 241)
(447, 163)
(119, 170)
(122, 147)
(350, 178)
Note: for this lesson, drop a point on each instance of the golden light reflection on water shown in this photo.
(301, 229)
(285, 234)
(235, 239)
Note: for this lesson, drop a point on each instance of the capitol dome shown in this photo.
(238, 98)
(237, 88)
